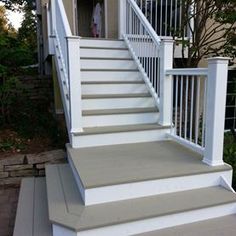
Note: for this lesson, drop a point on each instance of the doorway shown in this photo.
(85, 10)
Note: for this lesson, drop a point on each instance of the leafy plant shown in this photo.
(230, 154)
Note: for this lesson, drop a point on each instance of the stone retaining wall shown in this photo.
(13, 169)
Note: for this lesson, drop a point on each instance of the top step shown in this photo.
(102, 43)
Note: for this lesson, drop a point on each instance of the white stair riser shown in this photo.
(111, 76)
(152, 224)
(88, 64)
(120, 119)
(113, 89)
(104, 53)
(102, 43)
(149, 188)
(94, 140)
(117, 103)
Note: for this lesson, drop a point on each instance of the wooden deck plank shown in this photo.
(25, 209)
(42, 226)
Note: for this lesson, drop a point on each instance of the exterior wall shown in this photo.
(112, 18)
(70, 12)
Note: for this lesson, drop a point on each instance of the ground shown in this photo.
(8, 206)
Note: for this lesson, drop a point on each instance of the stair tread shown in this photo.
(32, 211)
(120, 111)
(213, 227)
(124, 95)
(112, 82)
(119, 128)
(136, 163)
(66, 207)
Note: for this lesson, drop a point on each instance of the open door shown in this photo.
(85, 15)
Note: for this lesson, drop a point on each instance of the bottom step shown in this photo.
(32, 211)
(129, 217)
(222, 226)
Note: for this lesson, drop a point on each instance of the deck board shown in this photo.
(126, 163)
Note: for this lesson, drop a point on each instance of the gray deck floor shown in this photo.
(117, 164)
(223, 226)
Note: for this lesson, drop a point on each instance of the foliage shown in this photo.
(230, 154)
(18, 4)
(212, 26)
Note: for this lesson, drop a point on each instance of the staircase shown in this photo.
(117, 106)
(132, 168)
(126, 177)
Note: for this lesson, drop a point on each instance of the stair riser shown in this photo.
(113, 89)
(152, 224)
(110, 76)
(117, 103)
(108, 64)
(105, 53)
(151, 188)
(102, 43)
(120, 119)
(94, 140)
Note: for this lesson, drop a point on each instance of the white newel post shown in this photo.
(122, 18)
(215, 110)
(166, 82)
(74, 84)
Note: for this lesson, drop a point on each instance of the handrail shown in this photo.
(187, 71)
(145, 22)
(144, 45)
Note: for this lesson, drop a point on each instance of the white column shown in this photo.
(122, 18)
(166, 82)
(74, 84)
(215, 110)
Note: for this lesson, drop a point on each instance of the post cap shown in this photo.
(224, 60)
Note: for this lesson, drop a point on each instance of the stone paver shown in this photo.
(8, 207)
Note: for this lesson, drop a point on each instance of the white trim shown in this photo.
(106, 19)
(155, 223)
(188, 71)
(225, 183)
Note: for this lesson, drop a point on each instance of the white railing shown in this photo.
(144, 45)
(198, 108)
(189, 106)
(67, 61)
(165, 16)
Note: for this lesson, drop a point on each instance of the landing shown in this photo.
(118, 164)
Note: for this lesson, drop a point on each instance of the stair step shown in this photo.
(103, 64)
(119, 129)
(121, 134)
(126, 171)
(128, 95)
(119, 111)
(101, 43)
(214, 227)
(105, 53)
(66, 209)
(32, 211)
(117, 103)
(112, 82)
(111, 76)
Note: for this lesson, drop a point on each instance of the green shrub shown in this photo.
(230, 154)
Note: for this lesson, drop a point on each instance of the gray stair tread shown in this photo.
(127, 163)
(119, 128)
(120, 111)
(113, 82)
(222, 226)
(32, 211)
(124, 95)
(66, 207)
